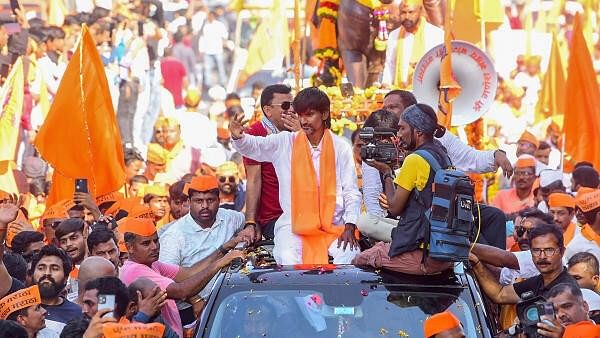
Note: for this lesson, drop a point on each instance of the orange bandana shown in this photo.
(125, 328)
(313, 204)
(588, 199)
(557, 199)
(201, 183)
(21, 299)
(439, 323)
(529, 137)
(525, 162)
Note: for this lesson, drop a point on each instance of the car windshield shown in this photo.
(319, 313)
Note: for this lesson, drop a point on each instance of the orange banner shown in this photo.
(19, 300)
(131, 330)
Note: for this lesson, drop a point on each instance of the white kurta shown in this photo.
(277, 148)
(433, 37)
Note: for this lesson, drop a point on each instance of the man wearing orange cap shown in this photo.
(527, 144)
(179, 282)
(206, 232)
(408, 43)
(520, 197)
(318, 190)
(588, 239)
(562, 208)
(25, 308)
(224, 141)
(443, 325)
(181, 158)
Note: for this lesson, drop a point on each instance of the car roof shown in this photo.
(337, 274)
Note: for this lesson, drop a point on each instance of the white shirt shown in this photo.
(581, 244)
(433, 37)
(196, 129)
(277, 148)
(47, 333)
(213, 35)
(185, 242)
(463, 157)
(526, 269)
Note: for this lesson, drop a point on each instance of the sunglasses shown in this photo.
(285, 105)
(224, 179)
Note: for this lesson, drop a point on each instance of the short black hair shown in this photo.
(561, 288)
(587, 258)
(68, 226)
(584, 164)
(313, 98)
(22, 240)
(139, 179)
(547, 229)
(176, 191)
(15, 314)
(111, 286)
(100, 234)
(586, 176)
(536, 213)
(75, 328)
(9, 328)
(543, 145)
(55, 32)
(266, 97)
(382, 119)
(132, 154)
(51, 250)
(407, 98)
(15, 265)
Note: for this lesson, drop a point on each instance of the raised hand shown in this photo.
(237, 126)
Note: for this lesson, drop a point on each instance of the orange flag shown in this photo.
(582, 114)
(449, 88)
(80, 137)
(552, 95)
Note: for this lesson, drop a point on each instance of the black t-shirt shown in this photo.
(536, 284)
(15, 286)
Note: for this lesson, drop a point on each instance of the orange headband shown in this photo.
(440, 322)
(201, 183)
(21, 299)
(558, 199)
(588, 199)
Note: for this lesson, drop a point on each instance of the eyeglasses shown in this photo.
(285, 105)
(548, 252)
(521, 230)
(224, 179)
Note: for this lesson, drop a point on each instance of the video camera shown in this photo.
(530, 310)
(374, 148)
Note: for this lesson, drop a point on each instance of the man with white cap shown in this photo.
(593, 301)
(551, 181)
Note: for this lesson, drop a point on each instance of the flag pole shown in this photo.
(482, 26)
(297, 47)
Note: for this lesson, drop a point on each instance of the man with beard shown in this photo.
(72, 235)
(179, 203)
(318, 190)
(231, 190)
(102, 242)
(26, 309)
(262, 187)
(49, 270)
(513, 200)
(205, 233)
(408, 43)
(547, 249)
(181, 159)
(156, 196)
(180, 283)
(571, 311)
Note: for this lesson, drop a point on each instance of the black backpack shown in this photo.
(451, 216)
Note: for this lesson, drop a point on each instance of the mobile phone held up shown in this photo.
(14, 5)
(81, 185)
(106, 302)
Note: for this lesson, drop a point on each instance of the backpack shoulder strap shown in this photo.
(433, 163)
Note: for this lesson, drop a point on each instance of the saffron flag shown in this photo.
(552, 94)
(80, 136)
(11, 98)
(270, 40)
(470, 14)
(449, 88)
(582, 114)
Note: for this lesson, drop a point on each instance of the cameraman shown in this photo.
(417, 127)
(547, 249)
(571, 312)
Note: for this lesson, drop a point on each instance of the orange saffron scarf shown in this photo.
(313, 204)
(418, 50)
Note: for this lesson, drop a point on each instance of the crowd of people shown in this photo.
(201, 179)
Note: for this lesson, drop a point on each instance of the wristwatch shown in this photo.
(222, 250)
(388, 174)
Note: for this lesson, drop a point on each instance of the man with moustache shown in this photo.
(232, 194)
(408, 43)
(72, 234)
(49, 270)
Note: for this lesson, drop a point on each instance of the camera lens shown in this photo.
(532, 314)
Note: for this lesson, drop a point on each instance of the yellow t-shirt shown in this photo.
(414, 173)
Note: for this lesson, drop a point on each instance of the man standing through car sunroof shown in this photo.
(317, 184)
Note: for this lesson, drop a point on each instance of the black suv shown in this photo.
(266, 300)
